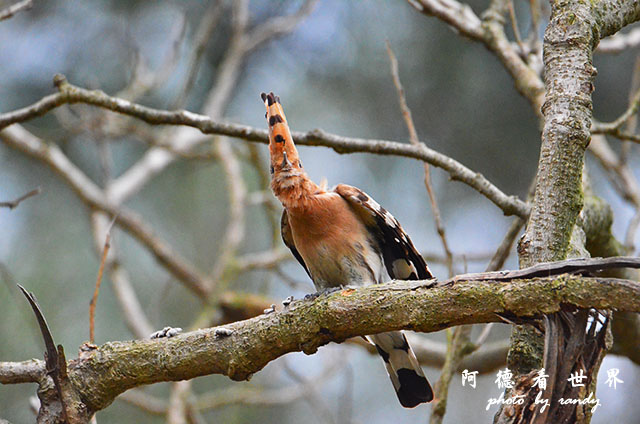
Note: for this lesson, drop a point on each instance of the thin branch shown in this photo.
(14, 203)
(145, 401)
(132, 311)
(457, 347)
(177, 407)
(278, 26)
(230, 68)
(545, 269)
(413, 137)
(235, 227)
(322, 411)
(263, 260)
(458, 15)
(619, 172)
(514, 26)
(94, 298)
(203, 35)
(526, 79)
(8, 12)
(614, 127)
(144, 79)
(510, 205)
(620, 42)
(502, 253)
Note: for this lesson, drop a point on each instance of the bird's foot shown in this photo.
(327, 291)
(166, 332)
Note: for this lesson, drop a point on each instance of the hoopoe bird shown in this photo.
(343, 237)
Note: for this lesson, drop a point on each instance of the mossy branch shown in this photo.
(100, 374)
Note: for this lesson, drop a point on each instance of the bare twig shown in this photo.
(14, 203)
(203, 35)
(311, 396)
(230, 68)
(457, 347)
(413, 137)
(546, 269)
(263, 260)
(132, 312)
(94, 299)
(8, 12)
(619, 42)
(510, 205)
(514, 26)
(502, 253)
(177, 408)
(619, 173)
(489, 31)
(145, 401)
(278, 26)
(613, 128)
(458, 15)
(144, 79)
(235, 228)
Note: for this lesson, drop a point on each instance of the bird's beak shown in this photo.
(285, 161)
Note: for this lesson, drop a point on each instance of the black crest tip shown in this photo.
(263, 96)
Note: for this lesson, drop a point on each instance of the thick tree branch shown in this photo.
(613, 15)
(69, 94)
(100, 375)
(30, 371)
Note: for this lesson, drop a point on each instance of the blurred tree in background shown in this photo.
(196, 241)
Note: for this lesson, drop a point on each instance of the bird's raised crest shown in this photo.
(288, 180)
(284, 155)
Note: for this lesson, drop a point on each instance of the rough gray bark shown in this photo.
(570, 38)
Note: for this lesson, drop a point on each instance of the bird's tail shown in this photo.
(411, 386)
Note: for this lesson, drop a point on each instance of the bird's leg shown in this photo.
(326, 291)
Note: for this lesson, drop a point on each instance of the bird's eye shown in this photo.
(271, 169)
(300, 164)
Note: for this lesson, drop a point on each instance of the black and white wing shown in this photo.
(401, 259)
